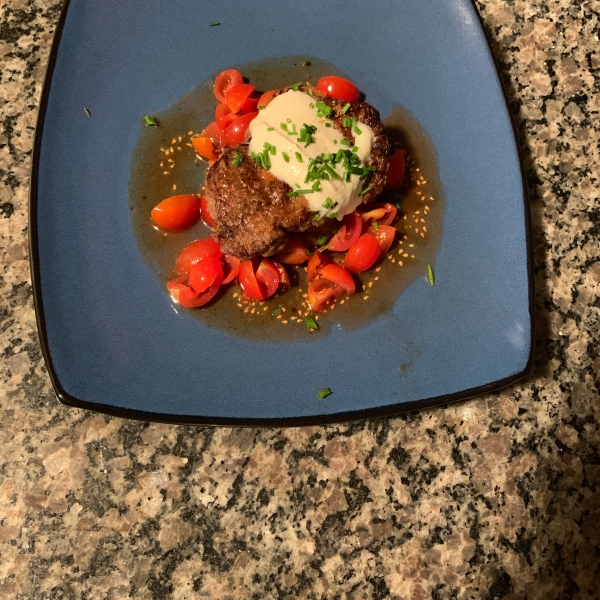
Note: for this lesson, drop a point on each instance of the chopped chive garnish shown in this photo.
(306, 63)
(322, 240)
(311, 105)
(238, 158)
(346, 142)
(327, 203)
(327, 124)
(397, 205)
(311, 323)
(355, 149)
(335, 142)
(298, 157)
(333, 215)
(214, 23)
(270, 128)
(87, 112)
(430, 274)
(306, 191)
(347, 122)
(366, 190)
(317, 217)
(276, 311)
(356, 130)
(150, 121)
(323, 393)
(331, 172)
(345, 109)
(296, 86)
(272, 150)
(266, 145)
(317, 186)
(261, 107)
(288, 120)
(285, 157)
(375, 225)
(283, 126)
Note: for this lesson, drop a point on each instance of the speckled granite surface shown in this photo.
(498, 497)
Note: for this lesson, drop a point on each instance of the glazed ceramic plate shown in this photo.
(111, 339)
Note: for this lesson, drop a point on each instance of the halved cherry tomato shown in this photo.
(317, 262)
(322, 293)
(340, 276)
(396, 172)
(266, 98)
(284, 278)
(259, 278)
(385, 236)
(383, 214)
(237, 94)
(195, 252)
(224, 81)
(216, 135)
(231, 268)
(295, 251)
(206, 216)
(363, 254)
(236, 131)
(223, 116)
(204, 147)
(177, 212)
(348, 234)
(204, 272)
(251, 104)
(186, 296)
(338, 87)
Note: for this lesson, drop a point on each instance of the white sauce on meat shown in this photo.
(293, 108)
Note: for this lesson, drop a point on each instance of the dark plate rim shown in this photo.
(126, 413)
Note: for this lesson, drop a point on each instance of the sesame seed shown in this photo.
(284, 321)
(411, 245)
(278, 317)
(365, 297)
(405, 255)
(165, 172)
(235, 295)
(376, 278)
(342, 301)
(190, 133)
(424, 228)
(412, 255)
(174, 141)
(171, 149)
(370, 284)
(174, 186)
(400, 262)
(179, 138)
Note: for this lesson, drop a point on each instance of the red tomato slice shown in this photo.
(216, 135)
(284, 278)
(251, 104)
(177, 212)
(224, 81)
(223, 116)
(396, 172)
(186, 296)
(236, 131)
(316, 264)
(363, 254)
(268, 277)
(295, 251)
(322, 293)
(195, 252)
(237, 94)
(204, 147)
(385, 236)
(338, 87)
(204, 272)
(266, 98)
(206, 216)
(348, 234)
(231, 268)
(340, 276)
(383, 214)
(248, 282)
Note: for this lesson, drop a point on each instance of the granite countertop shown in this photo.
(495, 497)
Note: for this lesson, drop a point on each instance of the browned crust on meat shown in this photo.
(251, 208)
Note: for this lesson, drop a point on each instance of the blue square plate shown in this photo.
(111, 339)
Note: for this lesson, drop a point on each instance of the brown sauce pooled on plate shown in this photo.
(164, 164)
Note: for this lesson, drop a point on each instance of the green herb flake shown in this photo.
(237, 160)
(346, 142)
(322, 240)
(324, 393)
(270, 128)
(214, 23)
(333, 215)
(150, 121)
(355, 149)
(298, 157)
(345, 109)
(327, 203)
(296, 86)
(311, 323)
(285, 157)
(306, 63)
(87, 112)
(327, 124)
(317, 217)
(261, 107)
(277, 311)
(356, 130)
(375, 225)
(366, 190)
(430, 274)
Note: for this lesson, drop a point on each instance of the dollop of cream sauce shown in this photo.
(291, 111)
